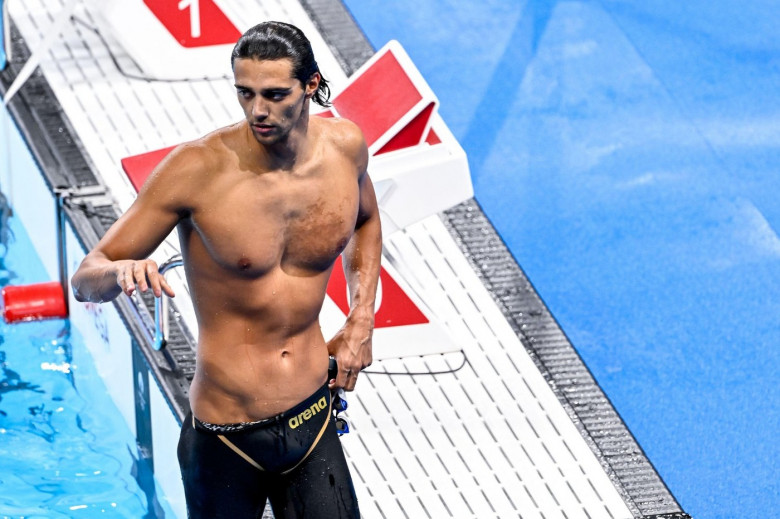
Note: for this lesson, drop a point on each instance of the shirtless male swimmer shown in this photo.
(263, 209)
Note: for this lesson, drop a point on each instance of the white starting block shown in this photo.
(417, 166)
(389, 99)
(195, 36)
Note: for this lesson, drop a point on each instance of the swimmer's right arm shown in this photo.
(99, 279)
(118, 262)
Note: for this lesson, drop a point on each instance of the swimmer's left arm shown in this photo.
(352, 344)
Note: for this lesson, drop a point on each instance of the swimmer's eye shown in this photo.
(246, 94)
(276, 95)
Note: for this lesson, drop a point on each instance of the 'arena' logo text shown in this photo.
(315, 408)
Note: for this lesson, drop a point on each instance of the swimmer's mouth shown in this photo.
(263, 128)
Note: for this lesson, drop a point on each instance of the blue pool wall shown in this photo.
(104, 332)
(28, 194)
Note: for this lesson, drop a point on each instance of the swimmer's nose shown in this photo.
(259, 109)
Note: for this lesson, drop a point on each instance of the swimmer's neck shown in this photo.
(285, 153)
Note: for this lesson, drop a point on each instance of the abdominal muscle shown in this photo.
(260, 347)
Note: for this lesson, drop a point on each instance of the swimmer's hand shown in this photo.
(141, 275)
(99, 279)
(351, 346)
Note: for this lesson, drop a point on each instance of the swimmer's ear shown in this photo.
(312, 85)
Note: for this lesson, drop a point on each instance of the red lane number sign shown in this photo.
(194, 23)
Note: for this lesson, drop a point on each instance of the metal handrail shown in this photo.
(161, 305)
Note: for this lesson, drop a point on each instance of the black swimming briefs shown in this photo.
(293, 459)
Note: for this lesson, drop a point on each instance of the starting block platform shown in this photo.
(458, 417)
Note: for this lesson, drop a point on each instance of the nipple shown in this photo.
(244, 263)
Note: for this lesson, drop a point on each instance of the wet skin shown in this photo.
(263, 209)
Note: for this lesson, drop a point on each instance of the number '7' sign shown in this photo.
(194, 23)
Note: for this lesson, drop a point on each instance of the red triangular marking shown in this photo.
(378, 98)
(139, 167)
(395, 309)
(411, 134)
(432, 138)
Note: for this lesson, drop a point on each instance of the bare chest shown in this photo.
(256, 224)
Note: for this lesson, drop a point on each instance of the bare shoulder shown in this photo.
(342, 129)
(182, 172)
(194, 157)
(345, 136)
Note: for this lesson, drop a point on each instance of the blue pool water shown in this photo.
(627, 152)
(65, 451)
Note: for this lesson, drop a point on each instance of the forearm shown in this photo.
(362, 260)
(352, 344)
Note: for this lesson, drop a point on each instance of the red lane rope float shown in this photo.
(33, 302)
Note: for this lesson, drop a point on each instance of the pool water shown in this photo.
(65, 451)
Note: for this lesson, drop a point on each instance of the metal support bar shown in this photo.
(64, 196)
(161, 305)
(62, 248)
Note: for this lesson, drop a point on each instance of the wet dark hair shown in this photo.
(279, 40)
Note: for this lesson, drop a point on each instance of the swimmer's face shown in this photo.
(273, 100)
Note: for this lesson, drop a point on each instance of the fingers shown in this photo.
(351, 377)
(352, 356)
(139, 273)
(142, 275)
(342, 379)
(165, 288)
(346, 377)
(124, 278)
(156, 280)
